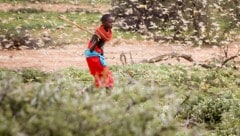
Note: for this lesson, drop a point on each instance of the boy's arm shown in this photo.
(95, 39)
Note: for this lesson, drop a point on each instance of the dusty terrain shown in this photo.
(72, 55)
(55, 7)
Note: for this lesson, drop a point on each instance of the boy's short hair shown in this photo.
(105, 17)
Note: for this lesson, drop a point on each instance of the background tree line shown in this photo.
(190, 21)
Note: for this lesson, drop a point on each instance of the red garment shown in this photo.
(101, 74)
(105, 35)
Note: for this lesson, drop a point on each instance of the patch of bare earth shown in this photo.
(56, 7)
(72, 55)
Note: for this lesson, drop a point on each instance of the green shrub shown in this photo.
(54, 103)
(26, 10)
(230, 124)
(16, 39)
(210, 109)
(32, 75)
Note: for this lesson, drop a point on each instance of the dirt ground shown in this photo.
(72, 55)
(55, 7)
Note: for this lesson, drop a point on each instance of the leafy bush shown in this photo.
(230, 124)
(26, 10)
(210, 110)
(146, 100)
(32, 75)
(16, 39)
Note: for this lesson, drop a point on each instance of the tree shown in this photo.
(191, 21)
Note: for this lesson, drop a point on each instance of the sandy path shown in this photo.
(72, 55)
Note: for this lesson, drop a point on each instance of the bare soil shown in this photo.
(72, 55)
(55, 7)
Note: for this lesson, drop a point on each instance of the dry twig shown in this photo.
(170, 55)
(230, 58)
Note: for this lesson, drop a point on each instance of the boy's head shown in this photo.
(107, 20)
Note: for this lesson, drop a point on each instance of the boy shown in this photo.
(95, 54)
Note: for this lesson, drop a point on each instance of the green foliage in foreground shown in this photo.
(147, 100)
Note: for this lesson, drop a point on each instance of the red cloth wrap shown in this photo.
(105, 35)
(101, 74)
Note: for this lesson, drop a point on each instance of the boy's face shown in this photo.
(108, 23)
